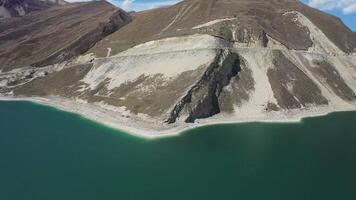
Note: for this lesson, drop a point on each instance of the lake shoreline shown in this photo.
(151, 129)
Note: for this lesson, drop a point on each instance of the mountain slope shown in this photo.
(57, 34)
(241, 20)
(16, 8)
(203, 62)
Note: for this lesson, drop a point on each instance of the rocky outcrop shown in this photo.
(201, 101)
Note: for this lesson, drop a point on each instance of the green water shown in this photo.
(46, 154)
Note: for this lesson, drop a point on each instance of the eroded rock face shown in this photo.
(202, 100)
(332, 78)
(57, 34)
(291, 86)
(239, 90)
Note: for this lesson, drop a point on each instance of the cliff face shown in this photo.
(202, 100)
(56, 34)
(195, 61)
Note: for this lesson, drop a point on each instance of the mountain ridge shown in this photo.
(18, 8)
(68, 25)
(195, 12)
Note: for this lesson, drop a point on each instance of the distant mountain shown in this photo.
(57, 34)
(15, 8)
(199, 61)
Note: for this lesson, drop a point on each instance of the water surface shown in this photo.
(46, 154)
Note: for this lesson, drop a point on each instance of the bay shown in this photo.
(48, 154)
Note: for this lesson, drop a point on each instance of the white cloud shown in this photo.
(126, 4)
(134, 5)
(140, 5)
(346, 6)
(77, 0)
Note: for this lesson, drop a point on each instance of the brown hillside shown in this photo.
(56, 34)
(252, 16)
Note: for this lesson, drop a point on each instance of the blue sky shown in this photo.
(345, 9)
(139, 5)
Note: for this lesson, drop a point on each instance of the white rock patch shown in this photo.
(129, 68)
(168, 57)
(109, 52)
(193, 42)
(213, 22)
(258, 61)
(20, 10)
(179, 15)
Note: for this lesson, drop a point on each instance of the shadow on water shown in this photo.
(50, 154)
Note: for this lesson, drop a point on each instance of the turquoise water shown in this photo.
(46, 154)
